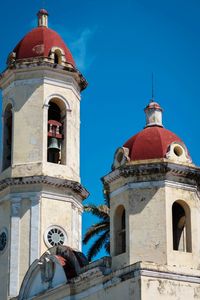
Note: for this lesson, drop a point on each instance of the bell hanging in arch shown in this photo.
(54, 144)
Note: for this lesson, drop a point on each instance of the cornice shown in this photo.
(43, 65)
(47, 180)
(155, 170)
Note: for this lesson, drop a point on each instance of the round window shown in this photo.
(178, 150)
(3, 239)
(55, 236)
(120, 156)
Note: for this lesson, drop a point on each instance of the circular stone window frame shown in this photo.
(4, 230)
(178, 150)
(47, 231)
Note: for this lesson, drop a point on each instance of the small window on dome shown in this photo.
(178, 150)
(58, 57)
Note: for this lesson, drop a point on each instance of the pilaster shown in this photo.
(35, 228)
(14, 246)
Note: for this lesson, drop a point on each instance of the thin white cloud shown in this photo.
(78, 44)
(79, 48)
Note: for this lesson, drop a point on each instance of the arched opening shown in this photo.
(181, 224)
(7, 137)
(120, 230)
(56, 140)
(57, 57)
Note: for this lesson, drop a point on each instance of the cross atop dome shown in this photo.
(42, 17)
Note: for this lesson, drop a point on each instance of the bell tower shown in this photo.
(154, 199)
(40, 190)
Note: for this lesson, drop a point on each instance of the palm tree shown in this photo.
(101, 229)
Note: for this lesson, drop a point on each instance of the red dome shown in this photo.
(39, 42)
(43, 12)
(150, 143)
(154, 105)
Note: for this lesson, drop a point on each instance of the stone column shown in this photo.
(35, 228)
(14, 246)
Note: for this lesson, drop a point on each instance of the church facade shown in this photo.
(153, 189)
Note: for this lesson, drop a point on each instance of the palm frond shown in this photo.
(101, 230)
(94, 230)
(97, 245)
(107, 246)
(101, 211)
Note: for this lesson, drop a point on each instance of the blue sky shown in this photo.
(117, 45)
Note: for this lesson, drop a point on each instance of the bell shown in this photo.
(54, 144)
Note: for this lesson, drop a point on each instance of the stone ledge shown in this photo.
(57, 182)
(155, 169)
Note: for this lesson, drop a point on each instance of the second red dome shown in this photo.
(151, 143)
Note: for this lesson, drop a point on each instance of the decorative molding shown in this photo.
(51, 181)
(42, 64)
(169, 276)
(44, 194)
(153, 184)
(155, 170)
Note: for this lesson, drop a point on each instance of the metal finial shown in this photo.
(152, 88)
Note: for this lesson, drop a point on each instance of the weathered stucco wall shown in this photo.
(29, 92)
(165, 289)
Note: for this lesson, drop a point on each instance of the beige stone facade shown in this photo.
(153, 190)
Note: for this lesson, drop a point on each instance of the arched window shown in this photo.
(56, 141)
(7, 137)
(181, 227)
(120, 230)
(58, 57)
